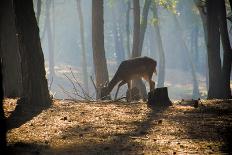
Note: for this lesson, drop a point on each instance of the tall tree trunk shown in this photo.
(2, 115)
(38, 10)
(143, 26)
(136, 31)
(4, 4)
(213, 49)
(161, 63)
(50, 40)
(100, 67)
(83, 49)
(119, 49)
(202, 9)
(35, 88)
(227, 54)
(10, 55)
(128, 28)
(135, 50)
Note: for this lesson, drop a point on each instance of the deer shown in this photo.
(128, 70)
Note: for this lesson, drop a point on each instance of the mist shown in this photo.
(182, 36)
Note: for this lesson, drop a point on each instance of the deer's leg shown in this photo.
(119, 85)
(152, 84)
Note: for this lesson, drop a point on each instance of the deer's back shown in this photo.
(136, 67)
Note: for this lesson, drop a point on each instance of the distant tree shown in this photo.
(38, 10)
(136, 31)
(50, 40)
(143, 25)
(117, 33)
(196, 93)
(83, 49)
(135, 49)
(128, 28)
(35, 88)
(160, 50)
(10, 56)
(99, 59)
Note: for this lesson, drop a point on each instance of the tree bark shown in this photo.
(10, 55)
(83, 49)
(50, 40)
(100, 67)
(38, 10)
(143, 25)
(35, 88)
(227, 54)
(3, 130)
(136, 31)
(213, 50)
(161, 64)
(128, 28)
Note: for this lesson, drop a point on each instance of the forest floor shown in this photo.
(124, 128)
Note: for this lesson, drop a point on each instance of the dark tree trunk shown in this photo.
(143, 25)
(35, 88)
(128, 29)
(136, 31)
(213, 48)
(160, 51)
(4, 6)
(2, 116)
(227, 54)
(100, 67)
(38, 10)
(83, 49)
(10, 56)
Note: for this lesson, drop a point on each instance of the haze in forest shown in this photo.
(181, 31)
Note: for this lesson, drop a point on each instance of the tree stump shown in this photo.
(159, 97)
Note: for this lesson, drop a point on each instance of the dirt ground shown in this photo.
(123, 128)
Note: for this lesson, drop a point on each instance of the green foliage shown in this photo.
(167, 4)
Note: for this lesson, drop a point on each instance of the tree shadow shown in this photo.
(23, 112)
(116, 143)
(211, 123)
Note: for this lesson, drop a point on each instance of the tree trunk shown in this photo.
(118, 38)
(84, 63)
(136, 31)
(128, 28)
(227, 55)
(50, 40)
(143, 26)
(213, 50)
(161, 64)
(100, 67)
(203, 14)
(38, 10)
(4, 6)
(10, 56)
(35, 88)
(2, 115)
